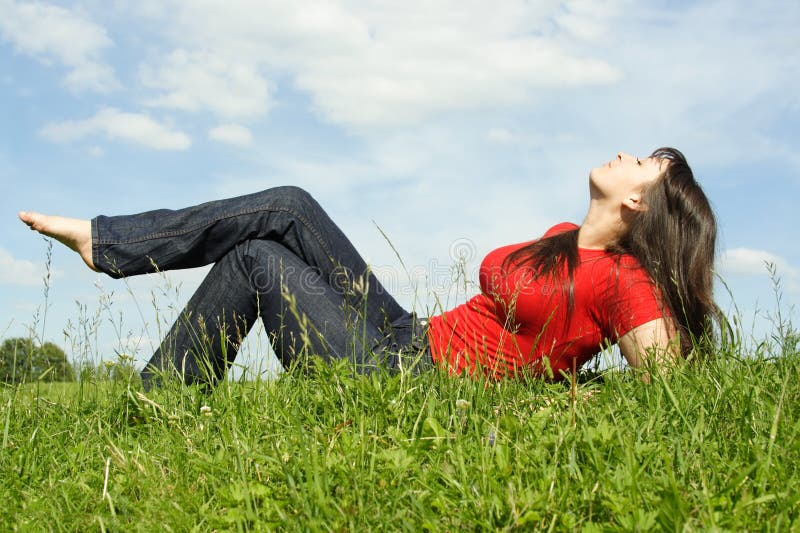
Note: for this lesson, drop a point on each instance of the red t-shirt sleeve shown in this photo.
(632, 301)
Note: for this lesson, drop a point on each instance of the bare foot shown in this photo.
(73, 232)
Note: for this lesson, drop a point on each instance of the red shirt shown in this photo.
(517, 320)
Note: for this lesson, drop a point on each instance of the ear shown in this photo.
(634, 203)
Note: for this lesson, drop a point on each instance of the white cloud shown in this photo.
(752, 261)
(231, 134)
(115, 124)
(195, 81)
(714, 78)
(587, 20)
(19, 271)
(754, 264)
(502, 136)
(55, 34)
(401, 86)
(365, 65)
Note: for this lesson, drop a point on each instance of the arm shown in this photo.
(652, 342)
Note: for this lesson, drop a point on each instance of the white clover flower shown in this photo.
(206, 411)
(463, 404)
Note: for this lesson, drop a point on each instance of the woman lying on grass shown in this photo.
(637, 273)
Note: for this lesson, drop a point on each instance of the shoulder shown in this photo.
(561, 227)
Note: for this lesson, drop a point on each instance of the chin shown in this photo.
(598, 179)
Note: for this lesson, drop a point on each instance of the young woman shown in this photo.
(637, 272)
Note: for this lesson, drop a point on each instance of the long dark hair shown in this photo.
(673, 239)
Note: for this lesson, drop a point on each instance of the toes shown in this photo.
(32, 219)
(27, 218)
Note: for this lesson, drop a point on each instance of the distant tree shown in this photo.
(50, 356)
(23, 359)
(14, 362)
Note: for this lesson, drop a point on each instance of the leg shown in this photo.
(166, 239)
(301, 311)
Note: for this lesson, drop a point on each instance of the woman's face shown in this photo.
(625, 177)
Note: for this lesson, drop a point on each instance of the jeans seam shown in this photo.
(303, 220)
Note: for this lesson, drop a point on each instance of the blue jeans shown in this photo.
(278, 256)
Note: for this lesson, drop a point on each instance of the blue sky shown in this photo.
(454, 126)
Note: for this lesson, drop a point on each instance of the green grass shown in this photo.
(709, 447)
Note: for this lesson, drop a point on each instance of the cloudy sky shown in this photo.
(450, 126)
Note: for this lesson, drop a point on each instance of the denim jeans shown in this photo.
(278, 256)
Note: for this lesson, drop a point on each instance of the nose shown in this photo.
(623, 155)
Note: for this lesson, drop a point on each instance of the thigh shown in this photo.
(202, 234)
(302, 312)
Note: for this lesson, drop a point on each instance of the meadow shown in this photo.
(711, 447)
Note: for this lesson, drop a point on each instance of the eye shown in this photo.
(638, 161)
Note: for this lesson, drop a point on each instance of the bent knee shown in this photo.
(291, 193)
(291, 198)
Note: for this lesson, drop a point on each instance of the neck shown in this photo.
(601, 227)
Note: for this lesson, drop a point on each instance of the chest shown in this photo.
(534, 302)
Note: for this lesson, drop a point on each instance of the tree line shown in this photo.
(23, 360)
